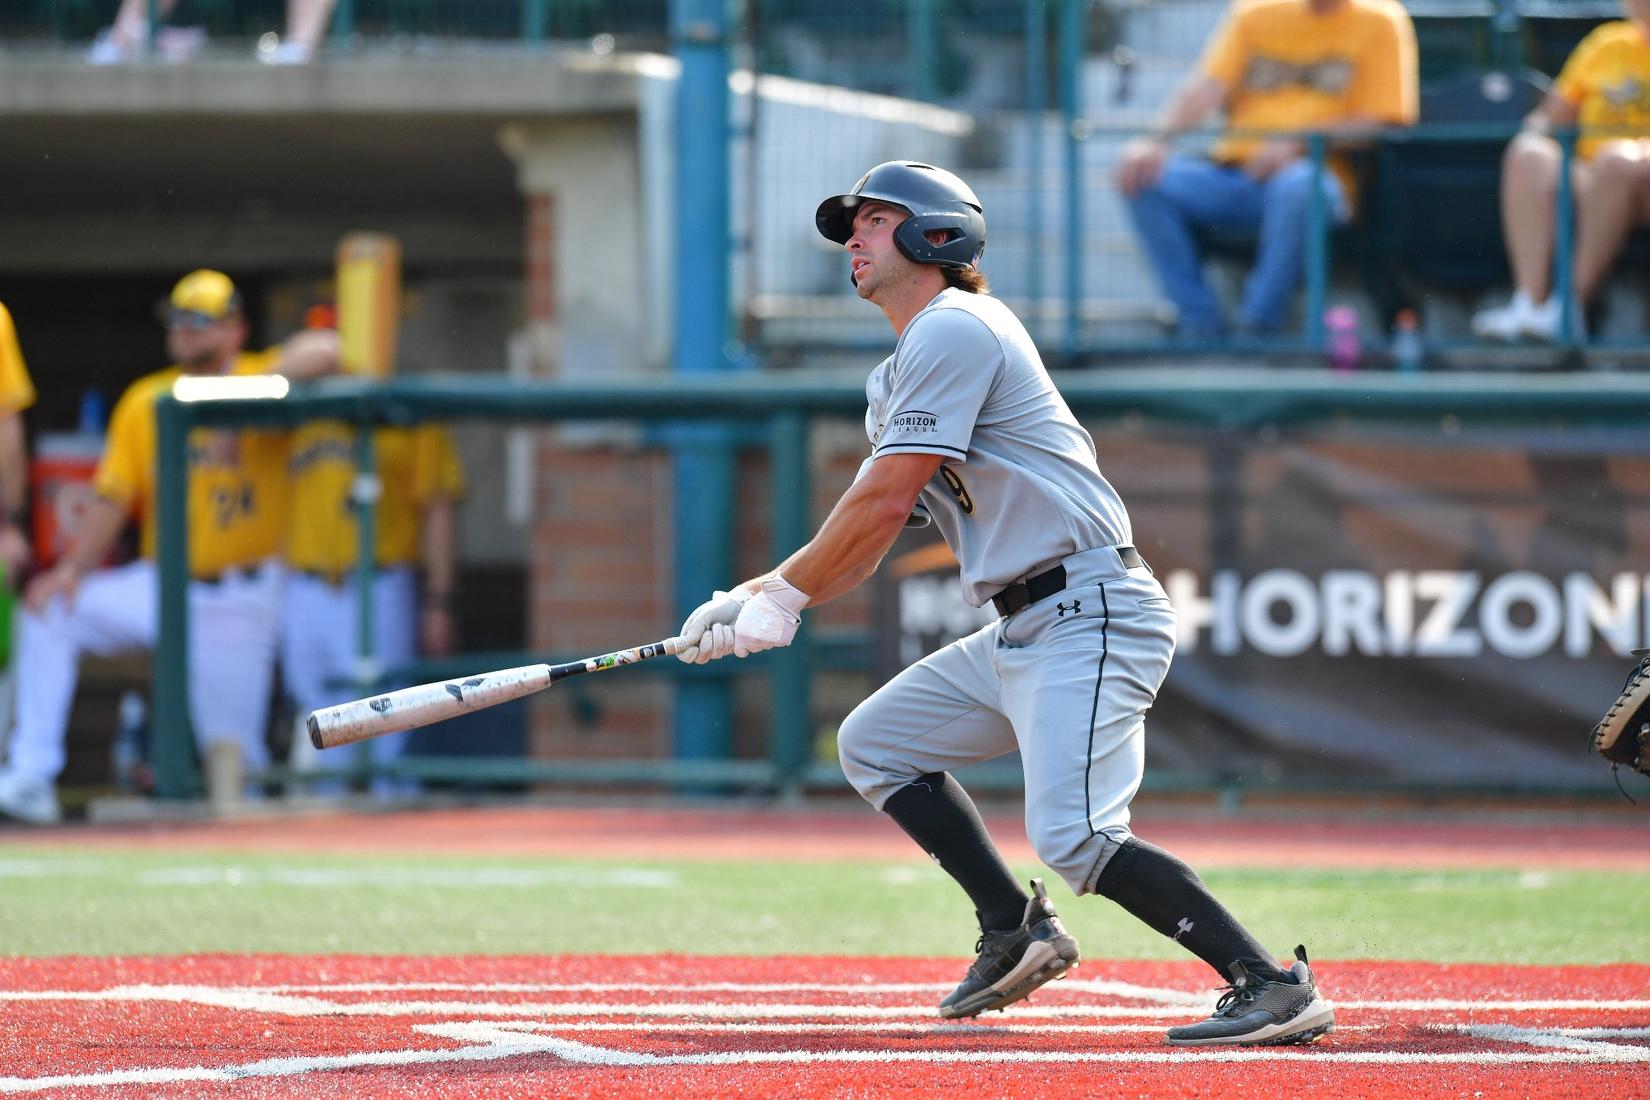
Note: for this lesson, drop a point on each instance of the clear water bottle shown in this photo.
(1408, 349)
(127, 754)
(1344, 349)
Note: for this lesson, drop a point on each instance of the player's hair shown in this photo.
(970, 279)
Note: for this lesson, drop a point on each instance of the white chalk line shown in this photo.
(325, 878)
(491, 1041)
(487, 1040)
(287, 1000)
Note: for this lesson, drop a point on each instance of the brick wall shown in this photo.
(602, 576)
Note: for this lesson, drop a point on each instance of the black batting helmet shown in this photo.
(937, 200)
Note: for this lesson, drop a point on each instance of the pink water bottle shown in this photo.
(1344, 349)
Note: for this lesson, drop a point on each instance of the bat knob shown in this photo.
(314, 732)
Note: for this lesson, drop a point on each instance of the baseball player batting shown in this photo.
(967, 428)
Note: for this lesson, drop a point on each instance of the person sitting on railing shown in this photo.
(1347, 67)
(236, 515)
(125, 39)
(1604, 85)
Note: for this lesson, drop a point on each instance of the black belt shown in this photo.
(347, 574)
(1023, 594)
(231, 574)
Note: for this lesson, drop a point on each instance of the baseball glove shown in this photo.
(1623, 737)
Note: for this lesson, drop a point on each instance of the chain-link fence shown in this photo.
(1032, 101)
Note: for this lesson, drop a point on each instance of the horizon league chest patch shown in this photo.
(914, 422)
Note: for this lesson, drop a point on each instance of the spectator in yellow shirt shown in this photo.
(1276, 67)
(16, 394)
(1604, 86)
(236, 518)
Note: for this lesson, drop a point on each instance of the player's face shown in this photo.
(875, 260)
(199, 343)
(1638, 11)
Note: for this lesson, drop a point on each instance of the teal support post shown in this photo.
(921, 29)
(1506, 25)
(1564, 243)
(1317, 243)
(151, 26)
(173, 742)
(1071, 111)
(1036, 107)
(791, 739)
(364, 497)
(535, 20)
(704, 455)
(343, 19)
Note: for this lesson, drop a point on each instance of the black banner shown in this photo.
(1373, 603)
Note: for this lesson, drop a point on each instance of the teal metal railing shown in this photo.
(1222, 401)
(1026, 38)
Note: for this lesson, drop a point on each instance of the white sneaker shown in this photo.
(29, 800)
(286, 53)
(1543, 322)
(1523, 319)
(1506, 323)
(106, 49)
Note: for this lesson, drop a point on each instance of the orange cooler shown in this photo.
(61, 477)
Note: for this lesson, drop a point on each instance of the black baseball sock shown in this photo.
(1168, 896)
(937, 813)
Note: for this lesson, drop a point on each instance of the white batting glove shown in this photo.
(706, 644)
(769, 619)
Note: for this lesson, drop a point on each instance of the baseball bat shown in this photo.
(412, 707)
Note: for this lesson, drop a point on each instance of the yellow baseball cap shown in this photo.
(204, 295)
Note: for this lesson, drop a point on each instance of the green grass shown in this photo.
(123, 903)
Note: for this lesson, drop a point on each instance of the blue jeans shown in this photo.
(1200, 194)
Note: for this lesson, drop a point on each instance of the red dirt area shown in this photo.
(1550, 841)
(659, 1025)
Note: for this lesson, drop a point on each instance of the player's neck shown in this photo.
(902, 302)
(223, 365)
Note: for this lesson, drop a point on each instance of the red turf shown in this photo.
(245, 1014)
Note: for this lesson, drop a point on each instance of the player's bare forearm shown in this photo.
(1554, 112)
(100, 526)
(14, 468)
(310, 354)
(861, 527)
(439, 538)
(1192, 103)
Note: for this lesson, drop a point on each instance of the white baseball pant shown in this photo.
(231, 657)
(321, 649)
(1067, 681)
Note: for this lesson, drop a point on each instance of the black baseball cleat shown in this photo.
(1258, 1013)
(1015, 961)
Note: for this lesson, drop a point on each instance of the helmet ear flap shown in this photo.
(960, 248)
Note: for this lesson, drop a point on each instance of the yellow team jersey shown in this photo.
(16, 391)
(1607, 80)
(414, 465)
(1286, 68)
(237, 479)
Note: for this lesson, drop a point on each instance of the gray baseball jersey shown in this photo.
(1065, 681)
(1019, 489)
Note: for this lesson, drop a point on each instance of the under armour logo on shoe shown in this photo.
(1076, 608)
(1185, 926)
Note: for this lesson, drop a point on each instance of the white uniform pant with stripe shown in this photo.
(321, 649)
(1066, 681)
(231, 657)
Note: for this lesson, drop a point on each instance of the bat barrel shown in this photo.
(412, 707)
